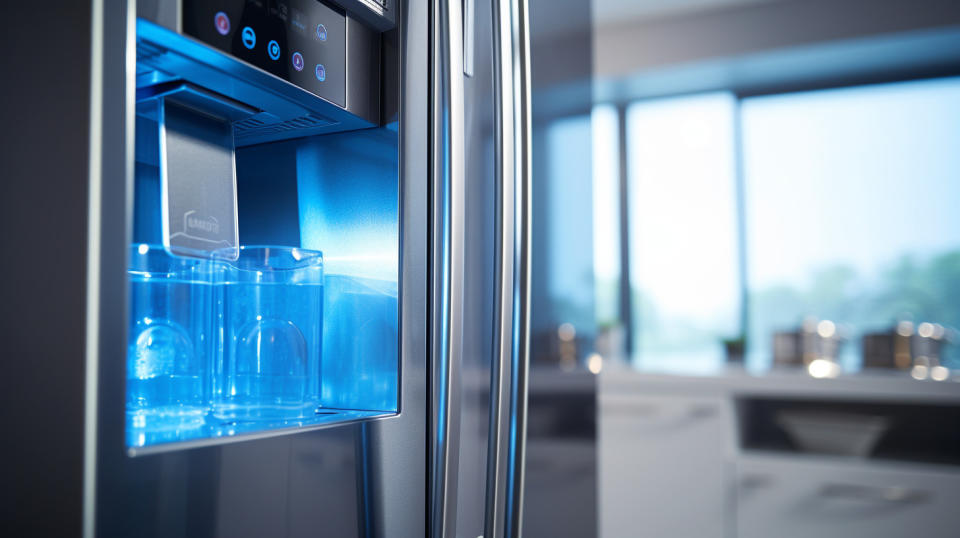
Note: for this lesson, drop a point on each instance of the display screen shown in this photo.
(302, 41)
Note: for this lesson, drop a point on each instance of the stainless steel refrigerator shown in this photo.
(392, 136)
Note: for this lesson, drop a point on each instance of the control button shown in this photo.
(320, 72)
(222, 22)
(273, 49)
(297, 61)
(321, 32)
(249, 37)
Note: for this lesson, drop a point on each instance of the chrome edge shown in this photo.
(522, 205)
(447, 199)
(505, 180)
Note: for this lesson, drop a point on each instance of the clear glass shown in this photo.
(171, 346)
(270, 310)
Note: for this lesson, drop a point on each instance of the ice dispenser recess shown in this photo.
(228, 338)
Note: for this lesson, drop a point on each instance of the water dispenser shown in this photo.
(263, 273)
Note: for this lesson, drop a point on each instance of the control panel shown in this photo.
(301, 41)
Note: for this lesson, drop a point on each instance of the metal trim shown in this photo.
(469, 36)
(448, 203)
(504, 158)
(94, 226)
(520, 352)
(512, 127)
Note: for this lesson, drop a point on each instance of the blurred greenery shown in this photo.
(910, 289)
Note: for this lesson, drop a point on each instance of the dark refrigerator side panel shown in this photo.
(44, 166)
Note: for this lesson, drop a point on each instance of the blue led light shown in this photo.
(249, 37)
(321, 32)
(320, 72)
(273, 49)
(297, 60)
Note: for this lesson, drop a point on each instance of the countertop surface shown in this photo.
(619, 381)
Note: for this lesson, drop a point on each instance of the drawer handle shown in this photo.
(877, 494)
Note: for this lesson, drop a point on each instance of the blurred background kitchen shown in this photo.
(747, 269)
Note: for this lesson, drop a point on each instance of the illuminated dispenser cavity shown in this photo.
(229, 339)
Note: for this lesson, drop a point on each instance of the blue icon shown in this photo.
(222, 22)
(320, 72)
(321, 32)
(273, 49)
(298, 61)
(249, 37)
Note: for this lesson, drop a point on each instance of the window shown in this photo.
(851, 209)
(848, 212)
(682, 231)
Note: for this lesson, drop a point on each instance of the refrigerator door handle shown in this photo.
(447, 255)
(512, 128)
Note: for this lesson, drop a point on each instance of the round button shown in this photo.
(321, 32)
(273, 49)
(297, 61)
(320, 72)
(249, 37)
(222, 22)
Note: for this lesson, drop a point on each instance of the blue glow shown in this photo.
(249, 37)
(215, 355)
(170, 345)
(271, 308)
(273, 49)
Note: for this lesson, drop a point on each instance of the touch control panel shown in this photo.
(301, 41)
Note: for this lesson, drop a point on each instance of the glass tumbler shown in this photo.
(171, 344)
(270, 314)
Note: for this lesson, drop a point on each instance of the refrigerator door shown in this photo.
(450, 464)
(350, 480)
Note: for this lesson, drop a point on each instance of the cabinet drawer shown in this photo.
(793, 497)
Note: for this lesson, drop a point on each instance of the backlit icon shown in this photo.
(273, 49)
(298, 61)
(321, 32)
(222, 22)
(248, 37)
(320, 72)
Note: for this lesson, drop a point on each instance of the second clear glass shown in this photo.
(270, 316)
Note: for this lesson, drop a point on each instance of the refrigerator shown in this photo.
(291, 280)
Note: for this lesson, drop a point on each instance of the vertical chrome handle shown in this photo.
(512, 127)
(447, 243)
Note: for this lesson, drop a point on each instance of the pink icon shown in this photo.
(222, 22)
(298, 61)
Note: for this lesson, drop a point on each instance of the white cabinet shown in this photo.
(663, 466)
(791, 497)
